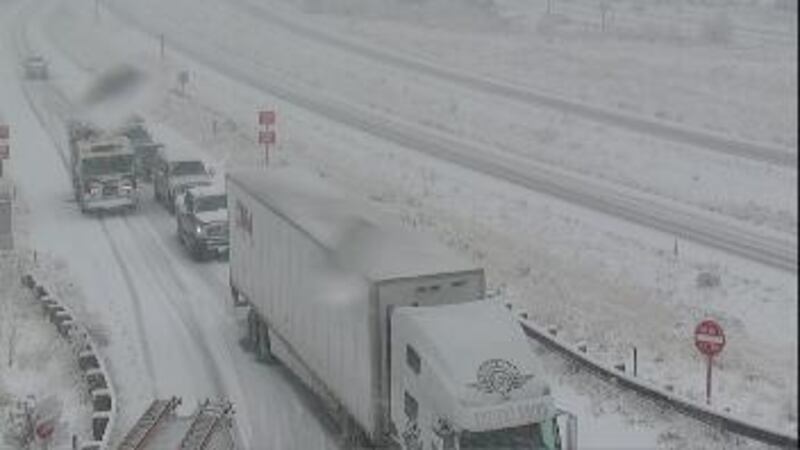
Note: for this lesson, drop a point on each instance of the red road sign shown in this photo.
(709, 338)
(44, 430)
(5, 148)
(266, 137)
(266, 117)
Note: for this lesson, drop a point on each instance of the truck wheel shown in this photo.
(263, 350)
(253, 326)
(352, 436)
(235, 295)
(197, 251)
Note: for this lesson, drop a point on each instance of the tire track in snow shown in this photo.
(45, 117)
(137, 303)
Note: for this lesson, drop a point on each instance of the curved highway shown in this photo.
(650, 211)
(705, 140)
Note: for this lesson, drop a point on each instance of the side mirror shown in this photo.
(211, 170)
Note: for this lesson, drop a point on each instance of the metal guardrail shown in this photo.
(143, 428)
(91, 365)
(684, 406)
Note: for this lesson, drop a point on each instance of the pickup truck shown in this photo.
(176, 171)
(202, 221)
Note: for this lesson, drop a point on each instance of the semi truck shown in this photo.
(102, 169)
(391, 330)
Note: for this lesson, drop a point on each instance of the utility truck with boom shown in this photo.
(391, 330)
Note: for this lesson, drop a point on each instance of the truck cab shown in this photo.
(101, 164)
(202, 221)
(463, 377)
(175, 173)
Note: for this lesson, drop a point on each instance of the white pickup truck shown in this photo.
(202, 221)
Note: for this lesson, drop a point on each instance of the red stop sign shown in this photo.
(709, 338)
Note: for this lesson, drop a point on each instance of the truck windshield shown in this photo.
(103, 165)
(188, 168)
(543, 436)
(138, 134)
(211, 203)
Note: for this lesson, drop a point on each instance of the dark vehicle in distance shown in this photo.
(145, 148)
(35, 68)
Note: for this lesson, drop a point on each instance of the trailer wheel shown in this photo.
(262, 347)
(352, 436)
(235, 295)
(250, 341)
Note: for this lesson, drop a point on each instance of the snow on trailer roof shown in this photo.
(363, 238)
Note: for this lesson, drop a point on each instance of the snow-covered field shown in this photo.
(601, 280)
(36, 365)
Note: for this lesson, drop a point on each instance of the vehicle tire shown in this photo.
(352, 436)
(235, 294)
(263, 347)
(251, 337)
(197, 251)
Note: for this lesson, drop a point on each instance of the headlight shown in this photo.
(94, 189)
(126, 186)
(198, 229)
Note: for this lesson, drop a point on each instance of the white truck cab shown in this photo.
(463, 377)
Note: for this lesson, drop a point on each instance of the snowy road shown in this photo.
(167, 284)
(172, 330)
(773, 249)
(703, 140)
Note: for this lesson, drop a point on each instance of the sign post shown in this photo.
(5, 149)
(710, 340)
(267, 135)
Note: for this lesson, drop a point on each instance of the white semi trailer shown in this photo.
(386, 326)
